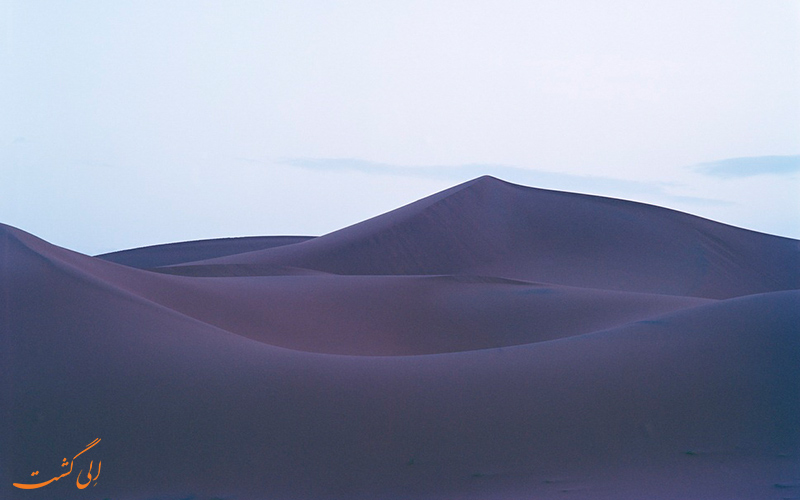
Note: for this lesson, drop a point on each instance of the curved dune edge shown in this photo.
(375, 315)
(177, 253)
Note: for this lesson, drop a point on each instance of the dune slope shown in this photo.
(490, 227)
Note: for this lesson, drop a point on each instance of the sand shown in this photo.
(491, 341)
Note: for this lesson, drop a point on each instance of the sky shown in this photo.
(130, 123)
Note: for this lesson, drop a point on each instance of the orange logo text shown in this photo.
(81, 485)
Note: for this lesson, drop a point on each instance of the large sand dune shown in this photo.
(490, 227)
(488, 342)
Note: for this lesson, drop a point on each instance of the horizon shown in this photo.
(165, 243)
(470, 181)
(130, 125)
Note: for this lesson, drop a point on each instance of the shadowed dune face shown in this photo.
(488, 342)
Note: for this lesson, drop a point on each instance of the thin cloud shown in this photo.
(750, 166)
(604, 186)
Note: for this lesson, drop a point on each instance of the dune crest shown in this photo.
(491, 227)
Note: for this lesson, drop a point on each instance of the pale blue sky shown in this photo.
(128, 123)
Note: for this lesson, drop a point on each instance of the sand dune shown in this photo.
(187, 251)
(490, 227)
(488, 342)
